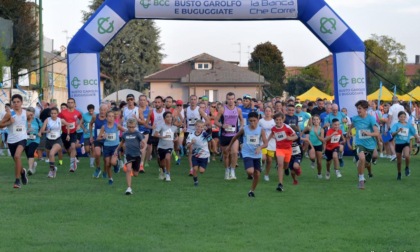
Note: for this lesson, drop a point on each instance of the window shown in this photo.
(212, 95)
(203, 66)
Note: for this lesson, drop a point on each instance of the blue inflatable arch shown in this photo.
(347, 48)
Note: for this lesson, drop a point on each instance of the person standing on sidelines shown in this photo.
(99, 120)
(366, 132)
(227, 120)
(87, 145)
(167, 135)
(132, 142)
(402, 133)
(16, 123)
(109, 134)
(254, 140)
(53, 144)
(33, 126)
(198, 146)
(267, 123)
(70, 116)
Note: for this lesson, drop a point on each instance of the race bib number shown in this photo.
(253, 140)
(72, 126)
(18, 128)
(300, 118)
(363, 135)
(192, 121)
(53, 135)
(403, 132)
(335, 139)
(168, 135)
(31, 137)
(111, 136)
(231, 129)
(98, 131)
(295, 150)
(280, 136)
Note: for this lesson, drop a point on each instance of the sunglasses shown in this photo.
(130, 99)
(179, 105)
(213, 106)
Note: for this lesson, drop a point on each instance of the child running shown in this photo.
(402, 133)
(109, 132)
(284, 136)
(167, 135)
(132, 141)
(253, 135)
(198, 145)
(267, 123)
(315, 139)
(333, 147)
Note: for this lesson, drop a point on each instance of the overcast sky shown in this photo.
(181, 40)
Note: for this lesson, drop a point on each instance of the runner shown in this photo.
(267, 123)
(16, 123)
(52, 127)
(366, 131)
(154, 119)
(227, 119)
(342, 120)
(214, 144)
(254, 140)
(70, 116)
(86, 118)
(315, 140)
(144, 111)
(197, 143)
(33, 126)
(333, 147)
(132, 142)
(99, 120)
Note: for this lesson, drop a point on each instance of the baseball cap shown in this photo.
(291, 98)
(130, 96)
(179, 102)
(247, 96)
(298, 105)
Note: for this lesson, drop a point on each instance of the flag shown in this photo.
(395, 90)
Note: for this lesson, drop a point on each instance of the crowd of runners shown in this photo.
(264, 134)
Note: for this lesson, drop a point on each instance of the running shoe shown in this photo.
(161, 175)
(295, 182)
(178, 161)
(191, 172)
(327, 176)
(30, 172)
(104, 175)
(374, 161)
(24, 177)
(280, 187)
(251, 194)
(116, 168)
(407, 171)
(399, 176)
(167, 178)
(54, 172)
(128, 191)
(341, 162)
(142, 169)
(60, 162)
(313, 165)
(393, 158)
(97, 173)
(110, 181)
(71, 169)
(286, 172)
(370, 175)
(227, 174)
(16, 185)
(232, 174)
(266, 178)
(195, 183)
(34, 167)
(338, 173)
(319, 176)
(50, 174)
(250, 177)
(361, 184)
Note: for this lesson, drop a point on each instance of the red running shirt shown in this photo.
(334, 142)
(281, 134)
(70, 117)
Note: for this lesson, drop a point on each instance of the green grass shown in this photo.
(75, 212)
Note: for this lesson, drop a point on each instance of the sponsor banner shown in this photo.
(7, 77)
(351, 79)
(105, 25)
(217, 9)
(327, 25)
(84, 79)
(23, 79)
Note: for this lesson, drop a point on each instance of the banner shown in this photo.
(217, 9)
(7, 77)
(351, 79)
(84, 82)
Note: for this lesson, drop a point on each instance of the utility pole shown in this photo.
(41, 49)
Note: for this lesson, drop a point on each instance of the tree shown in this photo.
(385, 60)
(25, 33)
(309, 77)
(132, 54)
(267, 60)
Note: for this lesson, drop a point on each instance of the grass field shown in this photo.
(75, 212)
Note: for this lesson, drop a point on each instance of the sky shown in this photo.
(235, 40)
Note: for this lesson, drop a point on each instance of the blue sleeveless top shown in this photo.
(112, 136)
(98, 125)
(142, 128)
(251, 140)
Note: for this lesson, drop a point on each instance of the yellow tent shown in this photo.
(415, 93)
(386, 95)
(314, 93)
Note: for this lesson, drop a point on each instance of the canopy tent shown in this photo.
(122, 94)
(314, 93)
(386, 95)
(413, 94)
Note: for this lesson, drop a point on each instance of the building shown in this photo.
(411, 69)
(205, 75)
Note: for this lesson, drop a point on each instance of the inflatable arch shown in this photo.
(347, 48)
